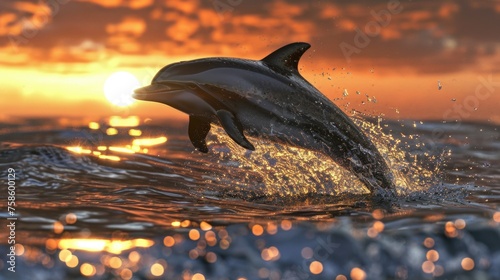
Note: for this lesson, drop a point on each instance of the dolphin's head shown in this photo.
(189, 85)
(174, 85)
(164, 84)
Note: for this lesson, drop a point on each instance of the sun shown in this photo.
(119, 88)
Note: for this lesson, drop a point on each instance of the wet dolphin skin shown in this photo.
(266, 98)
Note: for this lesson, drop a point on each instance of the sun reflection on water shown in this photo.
(131, 121)
(116, 124)
(98, 245)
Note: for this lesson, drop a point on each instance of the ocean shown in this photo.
(130, 198)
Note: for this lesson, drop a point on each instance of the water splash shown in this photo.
(411, 173)
(277, 169)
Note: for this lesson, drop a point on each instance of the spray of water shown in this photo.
(277, 169)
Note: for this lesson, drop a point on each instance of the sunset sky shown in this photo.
(56, 55)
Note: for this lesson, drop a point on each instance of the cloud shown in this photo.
(133, 4)
(182, 29)
(7, 20)
(424, 36)
(187, 7)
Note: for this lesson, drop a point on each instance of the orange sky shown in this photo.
(55, 57)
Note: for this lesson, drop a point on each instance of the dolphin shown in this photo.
(267, 98)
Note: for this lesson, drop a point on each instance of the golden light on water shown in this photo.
(316, 267)
(119, 88)
(126, 274)
(270, 254)
(257, 230)
(112, 158)
(94, 125)
(496, 217)
(78, 150)
(198, 276)
(176, 223)
(450, 230)
(72, 262)
(117, 121)
(467, 264)
(460, 223)
(121, 150)
(157, 269)
(19, 249)
(149, 141)
(58, 227)
(432, 255)
(169, 241)
(358, 274)
(272, 228)
(87, 269)
(98, 245)
(378, 214)
(377, 228)
(224, 244)
(134, 256)
(429, 242)
(134, 132)
(111, 131)
(135, 147)
(194, 254)
(286, 225)
(428, 267)
(71, 218)
(211, 257)
(211, 238)
(65, 255)
(205, 226)
(194, 234)
(115, 262)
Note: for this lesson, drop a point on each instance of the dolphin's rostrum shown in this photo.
(266, 98)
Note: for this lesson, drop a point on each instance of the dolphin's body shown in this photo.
(266, 98)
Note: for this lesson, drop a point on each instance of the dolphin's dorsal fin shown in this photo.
(286, 59)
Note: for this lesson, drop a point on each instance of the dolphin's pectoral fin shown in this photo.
(286, 59)
(198, 130)
(233, 129)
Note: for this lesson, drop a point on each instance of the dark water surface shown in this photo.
(124, 198)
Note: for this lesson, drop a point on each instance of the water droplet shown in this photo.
(358, 92)
(439, 85)
(345, 93)
(453, 99)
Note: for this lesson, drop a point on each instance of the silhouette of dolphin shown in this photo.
(266, 98)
